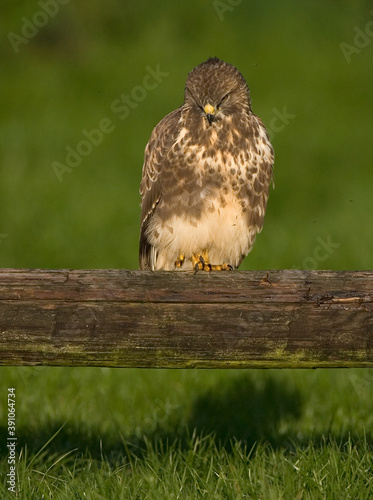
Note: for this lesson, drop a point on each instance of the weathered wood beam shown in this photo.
(246, 319)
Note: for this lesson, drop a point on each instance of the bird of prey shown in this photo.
(207, 171)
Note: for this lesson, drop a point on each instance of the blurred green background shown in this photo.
(315, 97)
(64, 76)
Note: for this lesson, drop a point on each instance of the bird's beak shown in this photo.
(210, 113)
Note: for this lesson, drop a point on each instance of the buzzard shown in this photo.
(206, 176)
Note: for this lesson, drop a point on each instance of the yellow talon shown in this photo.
(197, 262)
(200, 262)
(221, 267)
(180, 260)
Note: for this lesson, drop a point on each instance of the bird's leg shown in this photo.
(180, 260)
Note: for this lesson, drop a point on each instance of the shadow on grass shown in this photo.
(241, 410)
(58, 438)
(244, 411)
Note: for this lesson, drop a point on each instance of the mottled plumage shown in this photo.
(206, 176)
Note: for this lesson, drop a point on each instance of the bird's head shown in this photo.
(215, 90)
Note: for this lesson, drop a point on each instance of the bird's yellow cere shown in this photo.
(209, 110)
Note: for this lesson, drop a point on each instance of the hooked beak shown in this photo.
(210, 113)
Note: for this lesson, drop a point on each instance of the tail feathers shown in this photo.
(147, 254)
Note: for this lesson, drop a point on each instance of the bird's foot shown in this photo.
(180, 260)
(221, 267)
(200, 262)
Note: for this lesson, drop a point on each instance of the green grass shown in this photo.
(205, 470)
(106, 433)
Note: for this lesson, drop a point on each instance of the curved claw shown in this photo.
(201, 265)
(200, 262)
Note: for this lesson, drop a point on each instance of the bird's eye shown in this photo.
(222, 100)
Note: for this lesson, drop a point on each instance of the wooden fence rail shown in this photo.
(117, 318)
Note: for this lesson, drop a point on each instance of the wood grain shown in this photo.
(117, 318)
